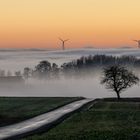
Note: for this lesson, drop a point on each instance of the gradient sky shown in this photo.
(98, 23)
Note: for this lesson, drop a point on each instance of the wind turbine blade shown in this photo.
(135, 40)
(66, 40)
(60, 39)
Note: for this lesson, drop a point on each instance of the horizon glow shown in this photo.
(97, 23)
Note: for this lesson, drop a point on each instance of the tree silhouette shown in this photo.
(118, 79)
(2, 73)
(18, 73)
(27, 72)
(43, 69)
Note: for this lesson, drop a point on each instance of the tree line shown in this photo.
(85, 64)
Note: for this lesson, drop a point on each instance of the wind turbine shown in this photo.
(63, 42)
(138, 41)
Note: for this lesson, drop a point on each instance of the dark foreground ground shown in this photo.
(106, 120)
(13, 110)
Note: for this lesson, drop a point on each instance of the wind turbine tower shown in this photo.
(138, 41)
(63, 42)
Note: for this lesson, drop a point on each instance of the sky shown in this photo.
(97, 23)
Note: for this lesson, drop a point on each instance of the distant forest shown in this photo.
(81, 66)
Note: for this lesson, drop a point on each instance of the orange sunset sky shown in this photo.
(97, 23)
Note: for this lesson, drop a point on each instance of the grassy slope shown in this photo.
(14, 110)
(105, 121)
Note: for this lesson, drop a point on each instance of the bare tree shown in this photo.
(43, 69)
(118, 79)
(27, 72)
(18, 73)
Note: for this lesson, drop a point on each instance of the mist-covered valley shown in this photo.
(15, 60)
(85, 84)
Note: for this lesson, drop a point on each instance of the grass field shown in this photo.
(106, 120)
(13, 110)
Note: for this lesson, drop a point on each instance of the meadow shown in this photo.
(16, 109)
(106, 120)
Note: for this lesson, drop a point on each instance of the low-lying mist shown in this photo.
(87, 86)
(75, 83)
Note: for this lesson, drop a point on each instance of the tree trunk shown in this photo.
(118, 95)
